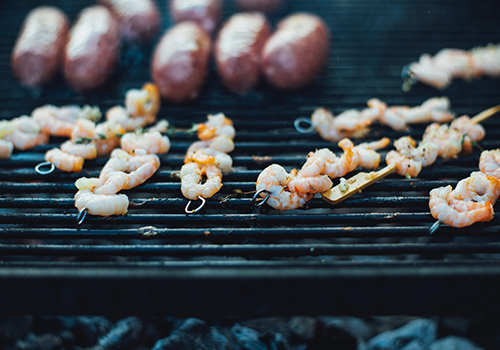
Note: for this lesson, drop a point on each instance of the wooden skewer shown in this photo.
(481, 117)
(355, 184)
(362, 180)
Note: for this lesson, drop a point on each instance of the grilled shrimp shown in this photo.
(6, 127)
(478, 187)
(138, 168)
(322, 121)
(368, 158)
(161, 126)
(192, 175)
(144, 102)
(152, 142)
(6, 148)
(489, 162)
(471, 201)
(119, 115)
(457, 213)
(448, 142)
(275, 180)
(409, 159)
(83, 131)
(434, 109)
(209, 156)
(84, 150)
(351, 123)
(64, 161)
(345, 163)
(220, 143)
(26, 133)
(309, 184)
(107, 136)
(216, 125)
(99, 204)
(485, 60)
(464, 125)
(59, 121)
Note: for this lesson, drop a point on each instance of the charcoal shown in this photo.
(332, 337)
(14, 327)
(193, 334)
(303, 327)
(88, 330)
(355, 326)
(421, 330)
(122, 336)
(454, 343)
(39, 342)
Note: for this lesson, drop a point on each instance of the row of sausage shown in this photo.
(245, 47)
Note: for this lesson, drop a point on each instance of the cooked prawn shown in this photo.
(209, 156)
(489, 162)
(144, 102)
(322, 121)
(152, 142)
(217, 124)
(119, 115)
(274, 179)
(64, 161)
(465, 125)
(27, 133)
(83, 131)
(448, 142)
(99, 204)
(107, 136)
(192, 175)
(404, 166)
(368, 158)
(485, 60)
(457, 213)
(84, 150)
(478, 187)
(6, 127)
(309, 184)
(161, 126)
(409, 158)
(59, 121)
(6, 148)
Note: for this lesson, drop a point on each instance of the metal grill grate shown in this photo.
(370, 254)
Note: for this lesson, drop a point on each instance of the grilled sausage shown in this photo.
(92, 49)
(38, 51)
(207, 12)
(259, 5)
(139, 19)
(180, 61)
(238, 49)
(296, 52)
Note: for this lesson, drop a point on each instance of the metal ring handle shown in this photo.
(45, 172)
(81, 216)
(302, 130)
(254, 198)
(194, 211)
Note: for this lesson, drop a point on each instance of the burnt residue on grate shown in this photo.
(370, 251)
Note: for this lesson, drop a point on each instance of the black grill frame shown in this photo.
(369, 255)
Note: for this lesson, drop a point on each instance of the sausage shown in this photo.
(296, 52)
(180, 61)
(139, 19)
(238, 50)
(259, 5)
(39, 48)
(207, 12)
(92, 49)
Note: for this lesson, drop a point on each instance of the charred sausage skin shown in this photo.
(93, 48)
(180, 61)
(139, 19)
(238, 50)
(206, 12)
(296, 52)
(39, 48)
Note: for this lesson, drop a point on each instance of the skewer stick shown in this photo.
(481, 117)
(355, 184)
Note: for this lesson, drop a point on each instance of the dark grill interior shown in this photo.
(369, 255)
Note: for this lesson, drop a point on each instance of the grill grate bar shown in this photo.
(251, 250)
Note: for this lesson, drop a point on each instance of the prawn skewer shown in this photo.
(354, 124)
(338, 194)
(207, 160)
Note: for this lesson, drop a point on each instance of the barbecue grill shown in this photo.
(371, 254)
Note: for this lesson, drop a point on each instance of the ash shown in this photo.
(273, 333)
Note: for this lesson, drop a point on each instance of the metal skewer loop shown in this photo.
(50, 170)
(302, 130)
(194, 211)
